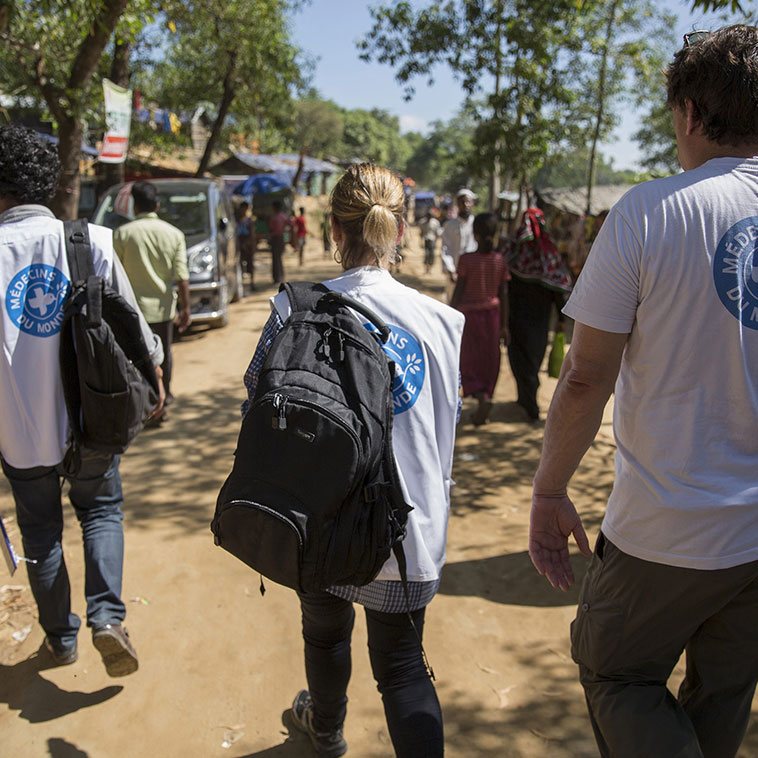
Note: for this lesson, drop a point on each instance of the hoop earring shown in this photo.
(337, 255)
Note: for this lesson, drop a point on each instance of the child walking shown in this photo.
(481, 294)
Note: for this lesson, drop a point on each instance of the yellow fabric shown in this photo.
(154, 255)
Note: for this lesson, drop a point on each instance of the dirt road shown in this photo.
(219, 664)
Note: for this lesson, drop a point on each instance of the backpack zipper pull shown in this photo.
(279, 421)
(327, 346)
(341, 343)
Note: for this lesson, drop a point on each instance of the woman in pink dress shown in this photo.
(481, 294)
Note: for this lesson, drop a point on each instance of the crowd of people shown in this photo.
(666, 316)
(278, 226)
(512, 290)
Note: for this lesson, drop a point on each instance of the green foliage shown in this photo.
(657, 141)
(374, 136)
(569, 169)
(442, 161)
(319, 126)
(328, 130)
(735, 6)
(238, 54)
(42, 46)
(530, 70)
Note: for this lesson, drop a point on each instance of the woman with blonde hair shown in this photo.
(367, 223)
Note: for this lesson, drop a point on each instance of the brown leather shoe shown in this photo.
(112, 641)
(61, 658)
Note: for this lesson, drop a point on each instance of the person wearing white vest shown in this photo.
(367, 224)
(666, 312)
(34, 428)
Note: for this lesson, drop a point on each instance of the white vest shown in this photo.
(34, 282)
(425, 344)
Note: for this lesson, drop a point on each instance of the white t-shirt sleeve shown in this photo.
(451, 240)
(606, 294)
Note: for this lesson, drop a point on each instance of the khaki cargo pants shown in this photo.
(633, 622)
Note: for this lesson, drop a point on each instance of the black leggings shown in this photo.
(413, 713)
(530, 307)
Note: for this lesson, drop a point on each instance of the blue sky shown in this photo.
(329, 29)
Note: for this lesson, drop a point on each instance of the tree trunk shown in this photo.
(65, 204)
(600, 104)
(494, 184)
(300, 166)
(70, 126)
(226, 100)
(114, 172)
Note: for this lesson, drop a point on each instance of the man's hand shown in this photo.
(453, 276)
(552, 519)
(183, 319)
(183, 316)
(161, 394)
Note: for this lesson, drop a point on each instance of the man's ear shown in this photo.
(693, 116)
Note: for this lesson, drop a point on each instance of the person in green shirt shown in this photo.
(154, 256)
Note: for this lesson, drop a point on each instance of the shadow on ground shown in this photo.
(36, 699)
(509, 579)
(544, 716)
(504, 454)
(60, 748)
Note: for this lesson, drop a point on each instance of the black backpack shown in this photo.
(109, 382)
(314, 499)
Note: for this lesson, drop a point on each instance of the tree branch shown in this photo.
(92, 46)
(34, 73)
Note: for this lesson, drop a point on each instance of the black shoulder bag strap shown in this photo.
(81, 269)
(303, 296)
(79, 253)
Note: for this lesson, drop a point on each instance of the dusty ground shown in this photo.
(219, 663)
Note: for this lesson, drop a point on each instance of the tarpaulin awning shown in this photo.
(86, 149)
(261, 184)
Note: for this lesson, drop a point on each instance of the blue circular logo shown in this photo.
(410, 367)
(735, 271)
(34, 299)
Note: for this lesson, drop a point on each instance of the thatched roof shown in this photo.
(604, 196)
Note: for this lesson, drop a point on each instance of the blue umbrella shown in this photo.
(260, 184)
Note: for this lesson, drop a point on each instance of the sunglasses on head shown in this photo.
(692, 38)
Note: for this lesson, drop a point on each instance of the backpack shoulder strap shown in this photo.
(79, 253)
(78, 249)
(303, 296)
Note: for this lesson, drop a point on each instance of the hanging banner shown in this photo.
(118, 119)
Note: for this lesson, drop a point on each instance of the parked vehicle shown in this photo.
(202, 209)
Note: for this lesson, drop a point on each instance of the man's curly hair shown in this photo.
(29, 166)
(719, 74)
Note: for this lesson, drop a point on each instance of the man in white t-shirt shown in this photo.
(666, 313)
(34, 428)
(458, 236)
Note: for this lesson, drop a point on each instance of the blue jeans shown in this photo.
(411, 707)
(96, 496)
